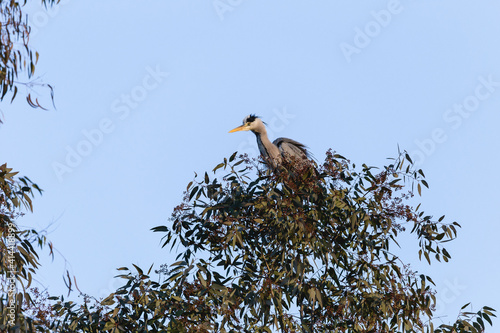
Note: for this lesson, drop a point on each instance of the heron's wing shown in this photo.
(291, 147)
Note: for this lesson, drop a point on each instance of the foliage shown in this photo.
(299, 249)
(15, 194)
(18, 257)
(16, 55)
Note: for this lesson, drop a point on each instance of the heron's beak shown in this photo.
(239, 128)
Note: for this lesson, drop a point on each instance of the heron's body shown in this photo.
(272, 152)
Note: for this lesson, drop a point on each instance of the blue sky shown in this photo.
(147, 92)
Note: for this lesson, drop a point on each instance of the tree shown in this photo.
(299, 249)
(18, 257)
(16, 56)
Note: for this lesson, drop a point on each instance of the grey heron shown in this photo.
(272, 153)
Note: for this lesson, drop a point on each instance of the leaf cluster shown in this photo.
(18, 257)
(16, 55)
(301, 248)
(308, 248)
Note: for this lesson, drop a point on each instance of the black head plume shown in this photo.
(250, 119)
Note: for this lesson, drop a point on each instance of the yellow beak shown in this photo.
(239, 128)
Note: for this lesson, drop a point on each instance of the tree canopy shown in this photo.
(299, 249)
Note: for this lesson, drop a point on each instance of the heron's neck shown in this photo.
(262, 137)
(268, 151)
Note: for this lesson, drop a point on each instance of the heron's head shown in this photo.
(250, 123)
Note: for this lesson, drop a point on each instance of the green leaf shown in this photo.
(139, 270)
(108, 300)
(14, 94)
(179, 263)
(160, 228)
(218, 166)
(488, 319)
(218, 287)
(202, 280)
(426, 255)
(193, 192)
(109, 325)
(466, 305)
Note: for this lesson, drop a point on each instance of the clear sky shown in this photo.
(146, 93)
